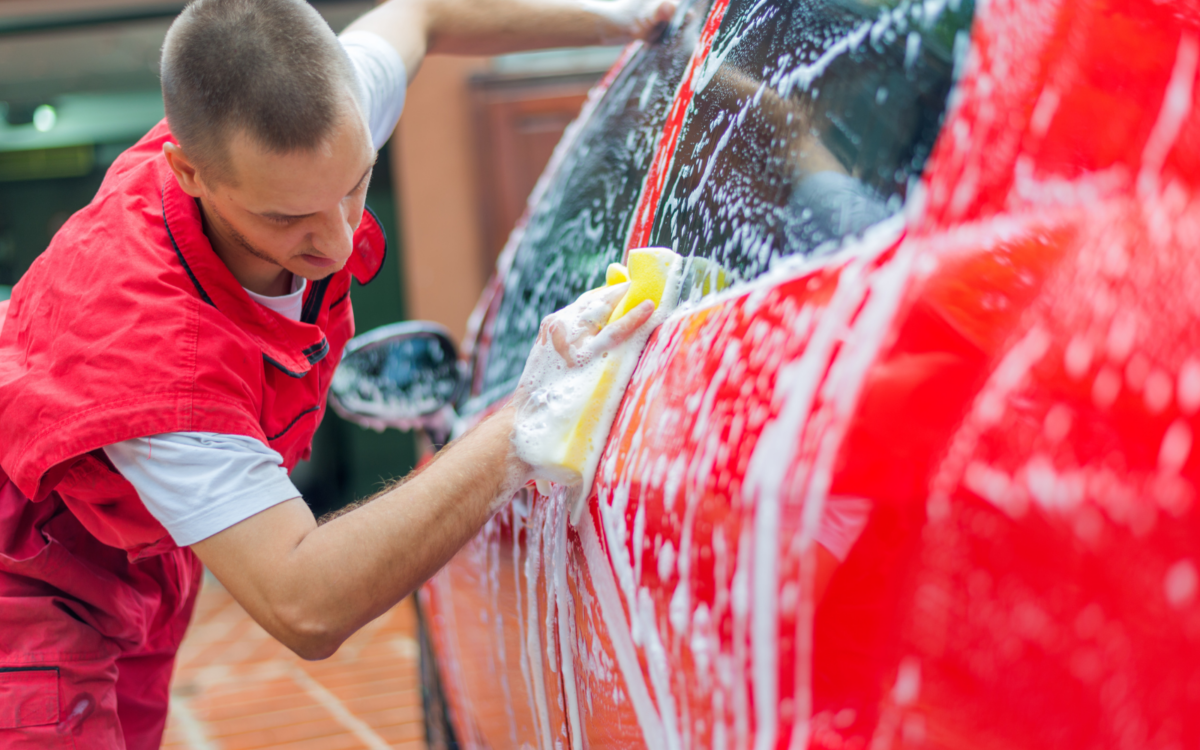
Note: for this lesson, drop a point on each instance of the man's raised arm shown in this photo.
(490, 27)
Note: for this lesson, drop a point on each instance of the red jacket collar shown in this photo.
(292, 346)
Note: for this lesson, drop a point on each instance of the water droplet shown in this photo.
(1176, 447)
(1180, 583)
(1106, 387)
(908, 681)
(1078, 357)
(844, 718)
(666, 561)
(1158, 391)
(1137, 371)
(1121, 336)
(1189, 387)
(1057, 423)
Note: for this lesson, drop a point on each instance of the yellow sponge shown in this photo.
(562, 433)
(616, 274)
(648, 269)
(582, 443)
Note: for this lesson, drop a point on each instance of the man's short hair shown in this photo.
(271, 69)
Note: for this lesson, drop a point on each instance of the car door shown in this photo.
(1052, 594)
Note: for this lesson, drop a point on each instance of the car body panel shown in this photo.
(1009, 373)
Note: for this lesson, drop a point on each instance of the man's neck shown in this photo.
(253, 273)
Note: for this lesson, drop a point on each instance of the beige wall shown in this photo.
(438, 198)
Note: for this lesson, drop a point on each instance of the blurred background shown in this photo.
(79, 84)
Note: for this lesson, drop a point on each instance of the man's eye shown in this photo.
(281, 220)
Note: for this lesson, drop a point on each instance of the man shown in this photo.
(165, 362)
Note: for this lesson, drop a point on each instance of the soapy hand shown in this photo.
(578, 331)
(581, 363)
(560, 372)
(574, 337)
(635, 19)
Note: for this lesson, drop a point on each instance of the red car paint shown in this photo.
(1012, 380)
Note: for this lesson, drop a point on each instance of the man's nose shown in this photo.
(334, 236)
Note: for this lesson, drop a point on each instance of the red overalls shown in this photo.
(129, 325)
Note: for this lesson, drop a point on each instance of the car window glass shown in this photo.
(809, 125)
(580, 225)
(810, 121)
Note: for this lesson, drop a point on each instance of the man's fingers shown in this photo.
(665, 11)
(567, 330)
(609, 294)
(653, 20)
(562, 345)
(596, 306)
(619, 331)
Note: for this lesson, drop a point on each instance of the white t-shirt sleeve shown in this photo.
(197, 484)
(382, 81)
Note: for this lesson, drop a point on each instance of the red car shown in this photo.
(923, 474)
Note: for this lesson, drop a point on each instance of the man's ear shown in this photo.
(184, 169)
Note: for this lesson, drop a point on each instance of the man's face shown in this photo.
(295, 211)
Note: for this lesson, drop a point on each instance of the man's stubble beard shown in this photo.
(240, 238)
(244, 243)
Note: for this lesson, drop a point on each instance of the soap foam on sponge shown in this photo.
(563, 426)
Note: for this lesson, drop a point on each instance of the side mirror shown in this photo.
(403, 375)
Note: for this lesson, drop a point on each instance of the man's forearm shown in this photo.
(383, 551)
(333, 579)
(490, 27)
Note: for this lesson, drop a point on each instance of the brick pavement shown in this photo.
(236, 688)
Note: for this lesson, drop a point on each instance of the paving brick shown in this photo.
(288, 734)
(409, 700)
(398, 734)
(242, 690)
(269, 720)
(389, 716)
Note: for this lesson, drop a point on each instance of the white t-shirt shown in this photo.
(197, 484)
(289, 305)
(382, 81)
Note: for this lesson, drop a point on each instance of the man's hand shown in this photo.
(494, 27)
(311, 587)
(579, 332)
(562, 377)
(635, 19)
(573, 337)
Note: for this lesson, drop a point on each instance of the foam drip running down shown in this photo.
(563, 425)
